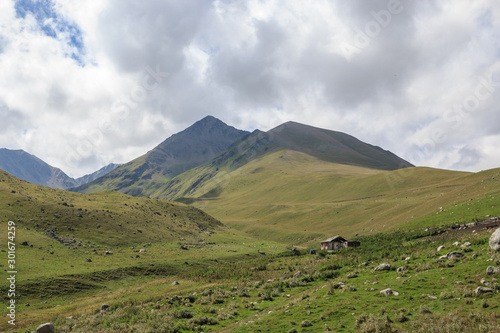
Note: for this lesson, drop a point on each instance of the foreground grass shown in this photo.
(309, 293)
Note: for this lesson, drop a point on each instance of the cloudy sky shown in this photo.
(86, 83)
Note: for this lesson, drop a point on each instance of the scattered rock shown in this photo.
(483, 290)
(388, 292)
(261, 252)
(383, 267)
(46, 328)
(454, 255)
(142, 250)
(402, 269)
(298, 274)
(432, 297)
(104, 307)
(495, 240)
(466, 244)
(175, 283)
(456, 243)
(440, 248)
(108, 252)
(492, 270)
(88, 260)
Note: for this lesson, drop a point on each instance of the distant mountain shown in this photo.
(322, 144)
(183, 151)
(30, 168)
(93, 176)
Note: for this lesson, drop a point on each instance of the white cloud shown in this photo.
(253, 64)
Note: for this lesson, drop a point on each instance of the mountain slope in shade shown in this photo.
(324, 145)
(183, 151)
(32, 169)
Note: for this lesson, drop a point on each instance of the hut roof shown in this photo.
(334, 239)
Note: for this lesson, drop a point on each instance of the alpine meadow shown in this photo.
(175, 166)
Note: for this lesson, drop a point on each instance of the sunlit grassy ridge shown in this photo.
(292, 197)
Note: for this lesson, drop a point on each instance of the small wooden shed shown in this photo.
(338, 242)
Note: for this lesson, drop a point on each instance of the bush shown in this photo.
(184, 314)
(202, 320)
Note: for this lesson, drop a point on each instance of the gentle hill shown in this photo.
(185, 150)
(108, 218)
(292, 197)
(32, 169)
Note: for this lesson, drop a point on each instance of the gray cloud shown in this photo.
(390, 73)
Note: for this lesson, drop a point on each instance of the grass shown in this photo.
(246, 278)
(438, 299)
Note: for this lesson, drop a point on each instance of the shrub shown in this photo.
(184, 314)
(202, 320)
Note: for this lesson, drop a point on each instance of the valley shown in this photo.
(222, 243)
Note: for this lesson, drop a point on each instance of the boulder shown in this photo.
(388, 292)
(440, 248)
(454, 255)
(495, 240)
(46, 328)
(492, 270)
(483, 290)
(383, 267)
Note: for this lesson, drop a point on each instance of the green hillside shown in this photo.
(292, 197)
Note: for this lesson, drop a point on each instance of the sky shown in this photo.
(87, 83)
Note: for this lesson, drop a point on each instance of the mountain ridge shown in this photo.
(32, 169)
(182, 151)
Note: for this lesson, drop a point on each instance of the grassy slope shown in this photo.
(294, 198)
(334, 292)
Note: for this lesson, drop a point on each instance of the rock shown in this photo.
(108, 252)
(383, 267)
(440, 248)
(432, 297)
(46, 328)
(456, 243)
(454, 255)
(495, 240)
(298, 274)
(483, 290)
(388, 292)
(444, 257)
(492, 270)
(142, 250)
(88, 260)
(466, 244)
(175, 283)
(104, 307)
(261, 252)
(402, 269)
